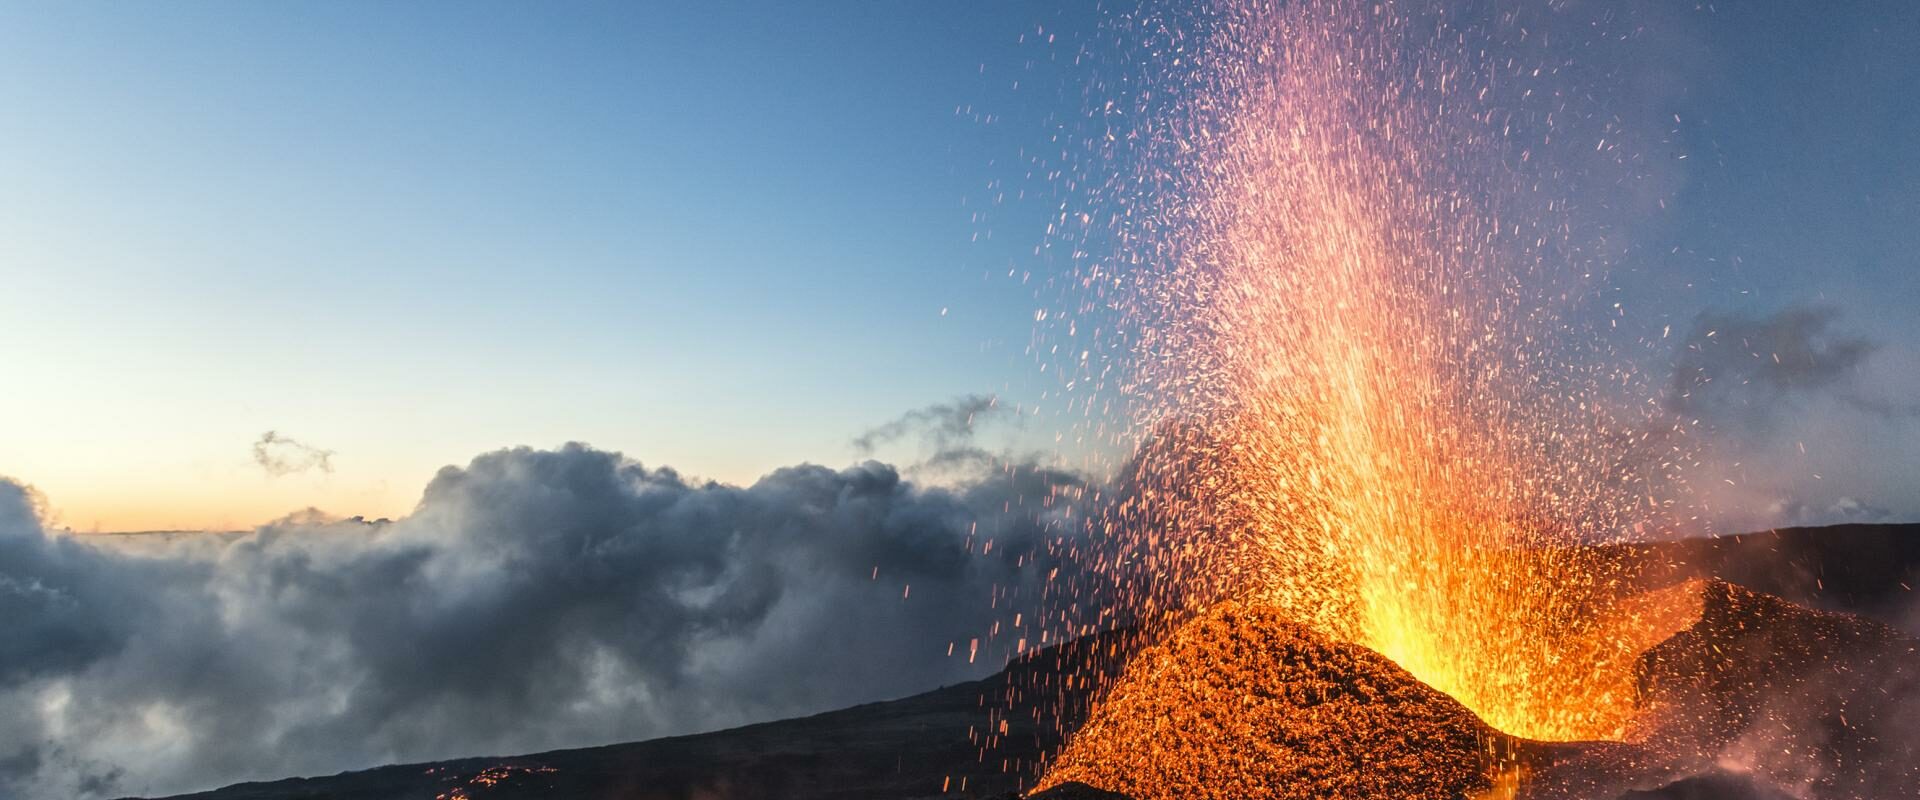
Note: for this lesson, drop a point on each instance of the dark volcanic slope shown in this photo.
(1825, 703)
(1793, 701)
(949, 739)
(1863, 569)
(892, 749)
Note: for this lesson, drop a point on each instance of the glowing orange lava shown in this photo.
(1365, 398)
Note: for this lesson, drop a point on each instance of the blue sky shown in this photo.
(1800, 124)
(1799, 188)
(715, 235)
(718, 236)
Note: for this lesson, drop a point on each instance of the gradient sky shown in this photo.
(717, 236)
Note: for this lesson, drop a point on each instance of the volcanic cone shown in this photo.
(1239, 703)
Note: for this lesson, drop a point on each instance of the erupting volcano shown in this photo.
(1370, 404)
(1381, 415)
(1355, 327)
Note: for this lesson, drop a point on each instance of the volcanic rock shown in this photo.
(1077, 791)
(1710, 787)
(1826, 704)
(1240, 703)
(1760, 698)
(1863, 569)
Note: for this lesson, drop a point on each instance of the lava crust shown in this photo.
(1239, 703)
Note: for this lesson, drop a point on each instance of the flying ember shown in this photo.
(1362, 390)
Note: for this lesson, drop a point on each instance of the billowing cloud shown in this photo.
(535, 599)
(283, 455)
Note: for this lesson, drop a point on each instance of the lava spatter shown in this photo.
(1365, 404)
(1243, 703)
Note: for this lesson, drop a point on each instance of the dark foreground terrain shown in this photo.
(1799, 681)
(944, 743)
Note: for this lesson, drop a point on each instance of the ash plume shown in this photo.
(535, 599)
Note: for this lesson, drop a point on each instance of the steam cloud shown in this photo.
(535, 599)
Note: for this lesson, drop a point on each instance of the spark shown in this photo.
(1358, 388)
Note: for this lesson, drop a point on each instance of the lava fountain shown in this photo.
(1352, 334)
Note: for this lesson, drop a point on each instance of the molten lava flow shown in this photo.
(1365, 397)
